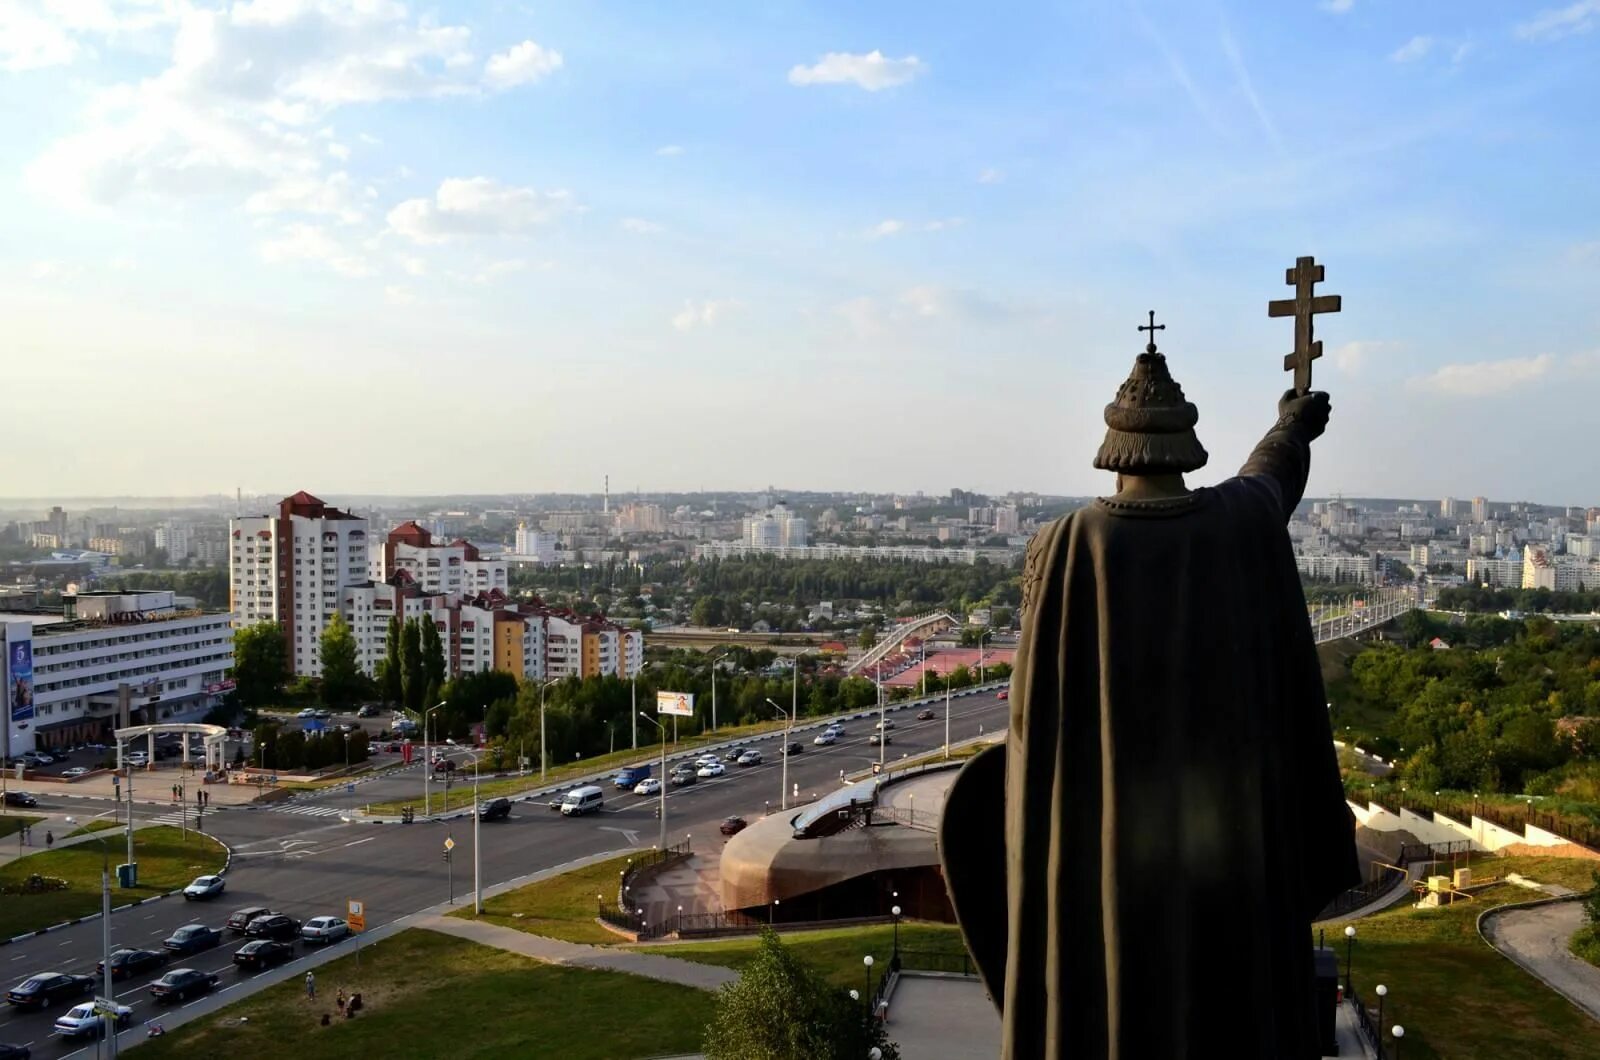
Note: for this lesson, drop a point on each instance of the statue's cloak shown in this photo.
(1137, 868)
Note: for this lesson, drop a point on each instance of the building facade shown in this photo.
(434, 567)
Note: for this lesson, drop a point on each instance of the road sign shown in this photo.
(102, 1007)
(449, 844)
(356, 915)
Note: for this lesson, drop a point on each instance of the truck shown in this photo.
(630, 777)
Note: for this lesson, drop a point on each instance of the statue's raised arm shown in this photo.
(1283, 458)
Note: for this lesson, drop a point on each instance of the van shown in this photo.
(582, 800)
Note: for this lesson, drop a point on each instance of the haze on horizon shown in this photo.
(482, 249)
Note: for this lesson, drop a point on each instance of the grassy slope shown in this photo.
(11, 824)
(835, 952)
(562, 907)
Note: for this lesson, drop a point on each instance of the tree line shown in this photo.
(1545, 601)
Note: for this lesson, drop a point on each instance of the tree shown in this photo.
(869, 637)
(391, 674)
(411, 672)
(432, 661)
(260, 664)
(709, 611)
(782, 1009)
(343, 683)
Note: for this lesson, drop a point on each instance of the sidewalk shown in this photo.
(1536, 937)
(554, 951)
(11, 848)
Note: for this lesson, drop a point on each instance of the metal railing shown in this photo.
(1362, 894)
(938, 961)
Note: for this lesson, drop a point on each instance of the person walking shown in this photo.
(49, 838)
(311, 986)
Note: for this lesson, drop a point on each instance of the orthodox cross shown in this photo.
(1305, 275)
(1152, 328)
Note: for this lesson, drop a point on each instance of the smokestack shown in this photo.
(605, 505)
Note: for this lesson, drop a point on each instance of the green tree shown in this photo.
(411, 667)
(260, 664)
(391, 673)
(432, 661)
(869, 637)
(343, 683)
(782, 1009)
(709, 611)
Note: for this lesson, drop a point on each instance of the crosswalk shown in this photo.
(176, 818)
(308, 810)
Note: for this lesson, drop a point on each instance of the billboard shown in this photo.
(678, 703)
(19, 680)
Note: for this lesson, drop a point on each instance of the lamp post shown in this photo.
(1382, 992)
(1349, 950)
(427, 759)
(867, 960)
(105, 935)
(896, 912)
(544, 756)
(981, 637)
(347, 752)
(634, 702)
(1398, 1032)
(477, 860)
(947, 713)
(714, 660)
(662, 812)
(788, 730)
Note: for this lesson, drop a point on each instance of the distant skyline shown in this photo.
(462, 248)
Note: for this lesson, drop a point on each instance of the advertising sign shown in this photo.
(19, 683)
(356, 916)
(679, 703)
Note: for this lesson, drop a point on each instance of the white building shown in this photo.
(176, 539)
(290, 569)
(457, 567)
(1339, 568)
(1005, 520)
(68, 672)
(777, 528)
(535, 546)
(1504, 572)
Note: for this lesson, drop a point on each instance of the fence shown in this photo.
(938, 961)
(1508, 817)
(1361, 895)
(621, 915)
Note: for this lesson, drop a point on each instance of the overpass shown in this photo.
(1379, 606)
(931, 622)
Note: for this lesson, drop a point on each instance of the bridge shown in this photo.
(1376, 608)
(931, 622)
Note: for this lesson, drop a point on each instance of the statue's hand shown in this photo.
(1309, 410)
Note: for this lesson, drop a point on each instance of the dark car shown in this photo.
(263, 954)
(277, 926)
(14, 1052)
(368, 710)
(683, 778)
(40, 991)
(924, 715)
(182, 983)
(733, 825)
(793, 748)
(20, 798)
(128, 963)
(240, 918)
(732, 754)
(444, 765)
(192, 938)
(495, 810)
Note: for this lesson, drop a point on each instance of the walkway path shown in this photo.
(1536, 938)
(11, 848)
(554, 951)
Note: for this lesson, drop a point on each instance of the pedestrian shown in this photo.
(339, 1000)
(311, 986)
(49, 838)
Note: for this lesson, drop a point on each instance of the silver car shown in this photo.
(324, 929)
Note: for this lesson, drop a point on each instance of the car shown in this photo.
(240, 919)
(262, 954)
(137, 758)
(1005, 693)
(751, 757)
(14, 1052)
(732, 754)
(732, 825)
(46, 988)
(308, 712)
(684, 779)
(714, 769)
(706, 760)
(276, 926)
(324, 715)
(444, 765)
(180, 984)
(835, 728)
(75, 772)
(85, 1021)
(825, 738)
(924, 715)
(368, 710)
(494, 810)
(324, 929)
(880, 738)
(125, 964)
(20, 798)
(204, 887)
(647, 786)
(38, 758)
(192, 938)
(884, 725)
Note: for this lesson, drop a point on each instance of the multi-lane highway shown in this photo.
(304, 859)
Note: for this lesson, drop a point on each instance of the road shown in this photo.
(302, 859)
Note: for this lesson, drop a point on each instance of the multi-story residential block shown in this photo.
(457, 567)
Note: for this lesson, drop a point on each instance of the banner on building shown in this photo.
(19, 679)
(678, 703)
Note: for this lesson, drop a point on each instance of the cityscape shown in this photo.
(634, 532)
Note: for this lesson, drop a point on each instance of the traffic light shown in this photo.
(447, 856)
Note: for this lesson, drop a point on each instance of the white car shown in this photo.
(885, 725)
(83, 1019)
(647, 786)
(324, 929)
(76, 771)
(204, 887)
(306, 713)
(836, 729)
(137, 758)
(825, 739)
(707, 760)
(711, 769)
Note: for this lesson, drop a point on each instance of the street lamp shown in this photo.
(1382, 992)
(544, 757)
(1349, 949)
(783, 783)
(347, 752)
(105, 934)
(714, 660)
(477, 860)
(947, 713)
(427, 759)
(1398, 1032)
(981, 637)
(662, 812)
(867, 960)
(896, 912)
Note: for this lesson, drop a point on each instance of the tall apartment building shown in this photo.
(776, 528)
(290, 568)
(1504, 572)
(535, 545)
(456, 567)
(1449, 508)
(1480, 509)
(176, 539)
(1005, 520)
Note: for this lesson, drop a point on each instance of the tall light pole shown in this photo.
(947, 674)
(105, 936)
(544, 756)
(634, 703)
(922, 665)
(427, 759)
(715, 659)
(981, 637)
(883, 732)
(662, 812)
(788, 731)
(477, 860)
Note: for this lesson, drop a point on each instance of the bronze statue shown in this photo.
(1136, 869)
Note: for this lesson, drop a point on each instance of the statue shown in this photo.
(1136, 869)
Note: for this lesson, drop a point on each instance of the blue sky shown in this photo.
(369, 246)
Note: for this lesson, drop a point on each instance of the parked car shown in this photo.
(20, 798)
(308, 712)
(751, 757)
(75, 772)
(706, 760)
(823, 739)
(925, 715)
(46, 988)
(647, 786)
(324, 715)
(83, 1021)
(125, 964)
(262, 954)
(324, 929)
(240, 919)
(368, 710)
(684, 779)
(204, 887)
(192, 938)
(880, 738)
(277, 926)
(714, 769)
(136, 758)
(793, 748)
(494, 810)
(181, 984)
(37, 758)
(732, 825)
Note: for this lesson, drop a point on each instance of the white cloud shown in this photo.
(926, 301)
(303, 242)
(395, 294)
(1337, 7)
(1241, 75)
(669, 150)
(991, 176)
(1561, 22)
(523, 64)
(894, 227)
(1585, 252)
(53, 270)
(412, 266)
(703, 314)
(496, 269)
(871, 71)
(332, 196)
(1351, 357)
(476, 206)
(370, 140)
(640, 226)
(1485, 378)
(886, 228)
(1411, 50)
(1459, 55)
(339, 151)
(29, 41)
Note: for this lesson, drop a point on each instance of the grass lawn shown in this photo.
(429, 995)
(99, 824)
(166, 861)
(835, 952)
(562, 907)
(11, 825)
(1456, 997)
(1585, 945)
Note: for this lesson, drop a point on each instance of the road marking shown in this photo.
(67, 943)
(358, 842)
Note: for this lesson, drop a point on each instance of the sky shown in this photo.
(374, 247)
